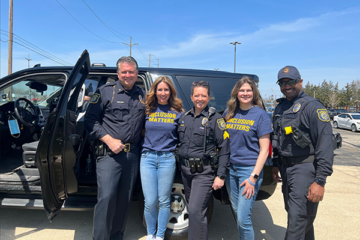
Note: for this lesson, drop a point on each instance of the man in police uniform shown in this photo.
(115, 118)
(303, 152)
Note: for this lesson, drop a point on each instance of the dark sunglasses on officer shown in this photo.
(291, 82)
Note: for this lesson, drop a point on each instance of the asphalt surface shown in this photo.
(338, 215)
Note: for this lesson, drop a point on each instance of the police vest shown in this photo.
(284, 143)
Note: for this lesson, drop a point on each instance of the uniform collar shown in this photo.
(300, 95)
(120, 88)
(204, 112)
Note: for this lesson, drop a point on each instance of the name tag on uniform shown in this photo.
(120, 102)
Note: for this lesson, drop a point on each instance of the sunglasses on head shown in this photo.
(291, 82)
(201, 83)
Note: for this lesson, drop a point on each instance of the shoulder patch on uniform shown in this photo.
(95, 98)
(221, 124)
(323, 115)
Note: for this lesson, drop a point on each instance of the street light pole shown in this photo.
(234, 43)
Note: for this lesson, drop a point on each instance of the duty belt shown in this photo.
(101, 149)
(206, 162)
(291, 161)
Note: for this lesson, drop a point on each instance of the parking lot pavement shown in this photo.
(349, 154)
(338, 217)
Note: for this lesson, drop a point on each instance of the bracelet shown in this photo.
(251, 182)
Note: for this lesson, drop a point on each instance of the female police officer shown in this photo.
(204, 154)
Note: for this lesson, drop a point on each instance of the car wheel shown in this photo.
(336, 125)
(353, 128)
(177, 227)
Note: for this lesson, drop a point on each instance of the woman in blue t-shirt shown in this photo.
(158, 165)
(249, 127)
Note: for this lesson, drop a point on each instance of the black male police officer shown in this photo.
(115, 118)
(303, 152)
(204, 147)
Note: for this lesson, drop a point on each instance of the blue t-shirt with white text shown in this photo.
(160, 129)
(245, 129)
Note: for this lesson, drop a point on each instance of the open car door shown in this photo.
(58, 145)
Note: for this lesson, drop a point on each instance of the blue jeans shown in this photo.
(241, 206)
(157, 170)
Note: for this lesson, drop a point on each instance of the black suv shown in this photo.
(46, 159)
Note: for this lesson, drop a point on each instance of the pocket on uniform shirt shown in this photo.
(181, 131)
(120, 111)
(199, 135)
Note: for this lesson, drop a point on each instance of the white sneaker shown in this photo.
(159, 238)
(150, 237)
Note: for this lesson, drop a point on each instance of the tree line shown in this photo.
(332, 97)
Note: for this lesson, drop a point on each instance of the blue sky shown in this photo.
(320, 38)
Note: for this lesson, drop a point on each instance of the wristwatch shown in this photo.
(255, 176)
(320, 181)
(222, 177)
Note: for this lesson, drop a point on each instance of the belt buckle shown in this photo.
(127, 147)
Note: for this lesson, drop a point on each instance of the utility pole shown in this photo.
(157, 61)
(234, 43)
(10, 43)
(28, 58)
(130, 45)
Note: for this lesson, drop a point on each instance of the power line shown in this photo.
(36, 52)
(107, 26)
(37, 48)
(83, 25)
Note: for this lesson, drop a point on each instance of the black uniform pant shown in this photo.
(116, 177)
(301, 212)
(198, 190)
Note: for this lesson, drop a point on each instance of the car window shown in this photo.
(220, 89)
(22, 90)
(356, 116)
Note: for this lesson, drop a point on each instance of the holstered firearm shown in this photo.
(214, 160)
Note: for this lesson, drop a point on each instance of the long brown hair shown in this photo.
(233, 104)
(151, 100)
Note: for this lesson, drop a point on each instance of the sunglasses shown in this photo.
(291, 82)
(201, 83)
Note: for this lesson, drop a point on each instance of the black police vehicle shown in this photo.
(46, 159)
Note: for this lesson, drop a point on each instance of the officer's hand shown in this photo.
(115, 145)
(275, 174)
(315, 193)
(218, 183)
(249, 189)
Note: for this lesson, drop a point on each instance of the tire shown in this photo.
(353, 128)
(336, 125)
(177, 227)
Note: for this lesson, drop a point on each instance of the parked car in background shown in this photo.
(348, 121)
(332, 113)
(46, 156)
(339, 111)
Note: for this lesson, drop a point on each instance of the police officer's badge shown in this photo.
(296, 108)
(323, 115)
(204, 121)
(95, 98)
(221, 124)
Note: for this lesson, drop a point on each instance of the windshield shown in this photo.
(36, 89)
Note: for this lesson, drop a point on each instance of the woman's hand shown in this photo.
(249, 188)
(218, 183)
